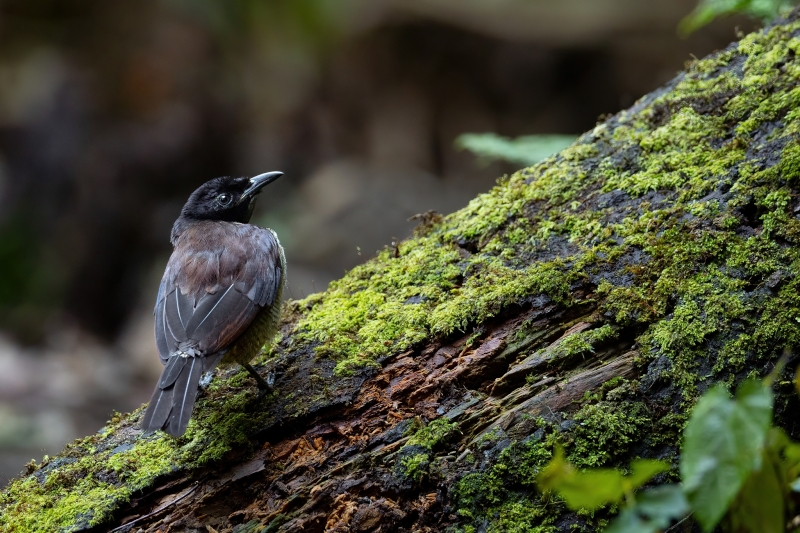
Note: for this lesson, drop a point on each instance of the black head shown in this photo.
(226, 199)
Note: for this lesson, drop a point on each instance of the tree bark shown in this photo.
(586, 301)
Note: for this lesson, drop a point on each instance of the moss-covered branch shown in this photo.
(587, 300)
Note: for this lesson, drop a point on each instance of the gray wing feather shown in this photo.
(164, 347)
(171, 371)
(232, 312)
(264, 291)
(158, 410)
(173, 320)
(205, 311)
(185, 393)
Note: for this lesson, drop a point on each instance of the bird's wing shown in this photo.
(209, 296)
(220, 276)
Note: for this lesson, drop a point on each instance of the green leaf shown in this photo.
(581, 490)
(786, 455)
(556, 471)
(642, 470)
(527, 150)
(791, 450)
(723, 444)
(653, 510)
(591, 489)
(759, 505)
(663, 504)
(629, 521)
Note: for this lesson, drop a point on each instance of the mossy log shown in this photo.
(587, 301)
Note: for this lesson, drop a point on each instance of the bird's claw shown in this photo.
(263, 386)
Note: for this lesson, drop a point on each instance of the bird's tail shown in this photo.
(172, 402)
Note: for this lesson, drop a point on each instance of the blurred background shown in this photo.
(111, 113)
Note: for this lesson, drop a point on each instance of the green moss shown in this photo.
(479, 490)
(493, 288)
(381, 306)
(476, 262)
(584, 342)
(434, 434)
(139, 466)
(605, 431)
(522, 516)
(87, 503)
(393, 303)
(503, 497)
(679, 155)
(415, 466)
(99, 473)
(416, 455)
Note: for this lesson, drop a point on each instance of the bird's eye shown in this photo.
(224, 199)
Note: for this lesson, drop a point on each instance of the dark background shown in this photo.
(111, 113)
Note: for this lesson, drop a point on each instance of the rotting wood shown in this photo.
(323, 476)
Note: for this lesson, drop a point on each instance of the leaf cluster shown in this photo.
(737, 471)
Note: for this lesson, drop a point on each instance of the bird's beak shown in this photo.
(258, 182)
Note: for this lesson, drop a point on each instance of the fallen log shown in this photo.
(586, 301)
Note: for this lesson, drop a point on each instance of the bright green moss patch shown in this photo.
(383, 305)
(584, 342)
(415, 466)
(678, 154)
(138, 466)
(518, 516)
(416, 455)
(493, 288)
(604, 431)
(481, 259)
(691, 169)
(393, 303)
(98, 474)
(29, 503)
(522, 516)
(506, 491)
(433, 434)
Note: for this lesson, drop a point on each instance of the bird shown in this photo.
(220, 297)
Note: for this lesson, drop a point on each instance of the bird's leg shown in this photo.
(263, 386)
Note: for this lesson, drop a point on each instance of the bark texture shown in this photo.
(585, 301)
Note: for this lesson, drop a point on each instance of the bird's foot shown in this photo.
(263, 386)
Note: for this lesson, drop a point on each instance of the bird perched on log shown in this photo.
(220, 297)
